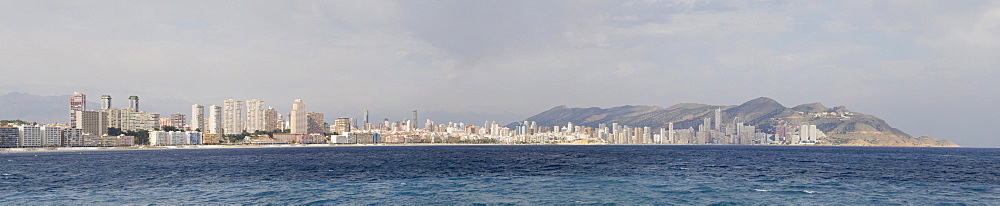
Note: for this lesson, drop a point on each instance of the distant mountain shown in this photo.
(842, 126)
(34, 108)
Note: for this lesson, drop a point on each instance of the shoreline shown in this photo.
(138, 148)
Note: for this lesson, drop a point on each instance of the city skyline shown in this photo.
(920, 65)
(108, 126)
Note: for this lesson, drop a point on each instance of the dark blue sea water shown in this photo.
(528, 175)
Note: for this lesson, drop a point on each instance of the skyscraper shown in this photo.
(77, 102)
(215, 119)
(255, 115)
(670, 133)
(299, 122)
(232, 116)
(413, 125)
(718, 120)
(133, 103)
(197, 117)
(705, 125)
(105, 102)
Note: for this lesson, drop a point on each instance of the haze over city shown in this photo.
(927, 68)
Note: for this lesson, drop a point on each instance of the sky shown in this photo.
(926, 67)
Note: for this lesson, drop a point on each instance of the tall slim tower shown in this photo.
(133, 102)
(215, 119)
(77, 102)
(299, 121)
(232, 116)
(414, 124)
(718, 119)
(255, 115)
(670, 133)
(366, 116)
(197, 117)
(105, 102)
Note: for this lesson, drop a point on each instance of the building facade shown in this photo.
(92, 122)
(30, 136)
(255, 115)
(9, 136)
(215, 119)
(77, 102)
(299, 121)
(197, 118)
(272, 120)
(178, 120)
(315, 123)
(162, 138)
(232, 112)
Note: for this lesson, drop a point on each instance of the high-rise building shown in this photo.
(255, 115)
(414, 122)
(215, 119)
(315, 122)
(803, 134)
(705, 125)
(197, 117)
(647, 135)
(298, 120)
(77, 102)
(272, 120)
(670, 133)
(718, 120)
(232, 116)
(133, 103)
(813, 133)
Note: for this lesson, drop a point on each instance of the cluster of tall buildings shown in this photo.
(238, 116)
(97, 122)
(234, 117)
(86, 128)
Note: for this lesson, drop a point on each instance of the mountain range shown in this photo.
(841, 126)
(29, 107)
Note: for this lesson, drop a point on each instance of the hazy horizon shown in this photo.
(927, 68)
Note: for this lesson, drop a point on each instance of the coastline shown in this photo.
(136, 148)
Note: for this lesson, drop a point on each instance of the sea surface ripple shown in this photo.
(528, 175)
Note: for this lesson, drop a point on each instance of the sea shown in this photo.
(507, 175)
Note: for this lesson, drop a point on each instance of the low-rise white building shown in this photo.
(31, 136)
(51, 136)
(161, 138)
(72, 137)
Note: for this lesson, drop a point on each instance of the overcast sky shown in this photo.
(928, 68)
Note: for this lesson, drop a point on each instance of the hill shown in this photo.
(41, 109)
(841, 126)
